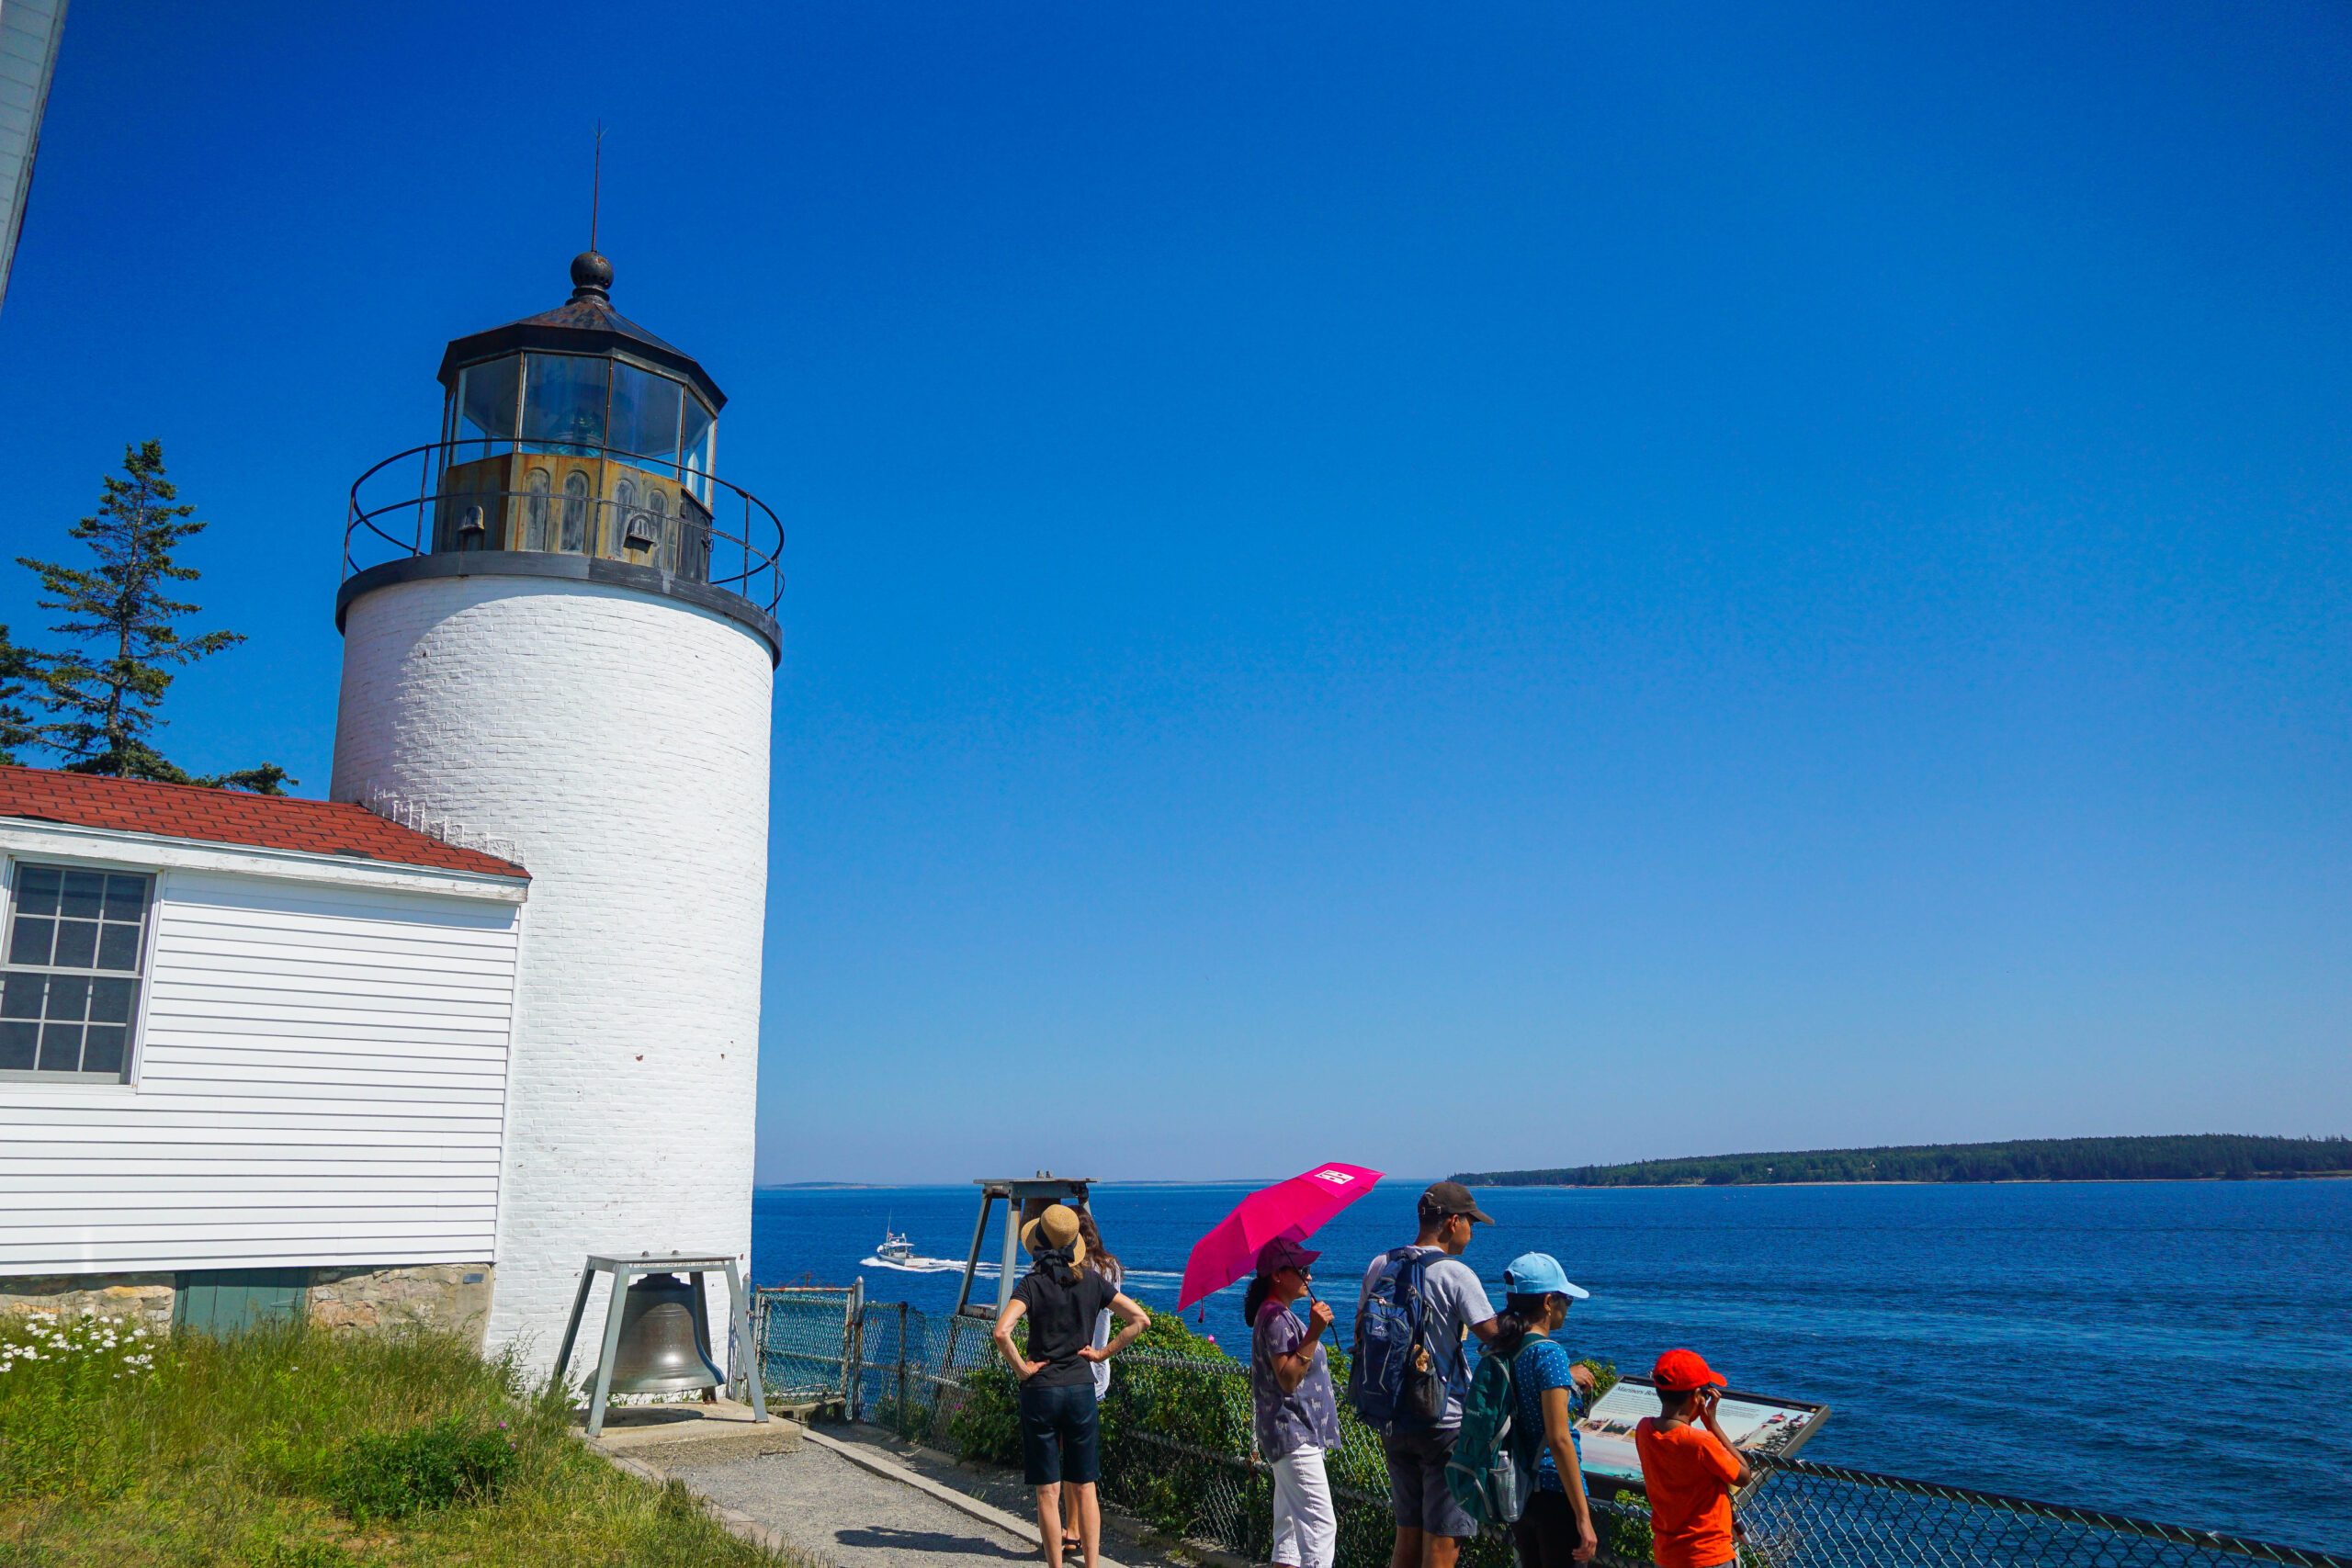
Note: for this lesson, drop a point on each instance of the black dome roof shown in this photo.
(585, 323)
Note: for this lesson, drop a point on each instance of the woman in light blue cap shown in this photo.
(1556, 1531)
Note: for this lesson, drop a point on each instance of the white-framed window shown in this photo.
(76, 957)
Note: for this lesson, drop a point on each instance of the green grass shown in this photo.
(295, 1449)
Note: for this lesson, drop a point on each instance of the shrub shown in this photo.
(984, 1410)
(1622, 1523)
(395, 1475)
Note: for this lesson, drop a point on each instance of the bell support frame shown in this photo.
(624, 1270)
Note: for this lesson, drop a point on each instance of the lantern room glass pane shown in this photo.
(697, 435)
(563, 403)
(645, 413)
(486, 407)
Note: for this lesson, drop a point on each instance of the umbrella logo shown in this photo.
(1341, 1177)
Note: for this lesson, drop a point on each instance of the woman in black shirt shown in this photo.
(1060, 1438)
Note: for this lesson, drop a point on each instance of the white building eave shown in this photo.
(114, 846)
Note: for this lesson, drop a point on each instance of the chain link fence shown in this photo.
(1804, 1515)
(803, 1339)
(1178, 1454)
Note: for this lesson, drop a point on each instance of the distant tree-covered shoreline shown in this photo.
(2197, 1157)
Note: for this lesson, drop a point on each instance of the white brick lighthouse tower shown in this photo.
(564, 648)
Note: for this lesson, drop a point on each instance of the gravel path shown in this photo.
(845, 1516)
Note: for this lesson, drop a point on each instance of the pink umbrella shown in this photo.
(1295, 1207)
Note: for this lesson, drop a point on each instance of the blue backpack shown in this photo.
(1392, 1380)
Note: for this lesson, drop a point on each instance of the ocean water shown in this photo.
(2174, 1350)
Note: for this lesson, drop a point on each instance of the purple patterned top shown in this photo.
(1307, 1416)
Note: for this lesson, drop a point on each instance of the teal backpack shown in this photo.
(1491, 1471)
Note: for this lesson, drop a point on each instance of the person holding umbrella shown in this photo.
(1061, 1432)
(1297, 1416)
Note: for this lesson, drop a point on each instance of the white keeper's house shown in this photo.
(412, 1052)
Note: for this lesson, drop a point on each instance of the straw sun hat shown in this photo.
(1058, 1226)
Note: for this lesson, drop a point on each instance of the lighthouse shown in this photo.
(559, 648)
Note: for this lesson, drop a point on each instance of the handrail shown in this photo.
(754, 560)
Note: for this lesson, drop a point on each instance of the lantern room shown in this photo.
(577, 432)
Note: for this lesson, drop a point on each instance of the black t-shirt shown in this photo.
(1061, 1324)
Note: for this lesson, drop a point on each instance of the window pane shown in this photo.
(111, 1001)
(126, 898)
(37, 889)
(645, 413)
(22, 996)
(69, 998)
(486, 399)
(102, 1053)
(78, 944)
(61, 1048)
(694, 440)
(85, 895)
(28, 943)
(19, 1046)
(563, 401)
(117, 946)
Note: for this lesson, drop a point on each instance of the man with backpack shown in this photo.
(1408, 1375)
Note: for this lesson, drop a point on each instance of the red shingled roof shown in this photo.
(232, 816)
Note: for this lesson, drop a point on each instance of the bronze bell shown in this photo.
(664, 1345)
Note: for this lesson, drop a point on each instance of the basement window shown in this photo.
(76, 951)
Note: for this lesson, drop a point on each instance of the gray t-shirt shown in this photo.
(1452, 1300)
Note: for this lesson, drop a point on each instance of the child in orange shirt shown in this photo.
(1688, 1472)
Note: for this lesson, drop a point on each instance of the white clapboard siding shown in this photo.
(321, 1081)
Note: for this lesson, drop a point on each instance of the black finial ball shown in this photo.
(591, 270)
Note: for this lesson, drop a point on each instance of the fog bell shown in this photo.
(664, 1343)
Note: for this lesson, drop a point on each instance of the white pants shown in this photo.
(1307, 1532)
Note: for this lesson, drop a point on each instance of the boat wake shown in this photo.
(917, 1265)
(1144, 1279)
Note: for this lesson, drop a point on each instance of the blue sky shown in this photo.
(1433, 586)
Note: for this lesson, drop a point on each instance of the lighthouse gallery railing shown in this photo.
(737, 544)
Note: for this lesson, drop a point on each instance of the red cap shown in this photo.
(1680, 1371)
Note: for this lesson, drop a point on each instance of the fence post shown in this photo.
(754, 1363)
(853, 1353)
(906, 1422)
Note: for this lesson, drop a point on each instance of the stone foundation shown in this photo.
(451, 1296)
(448, 1296)
(144, 1299)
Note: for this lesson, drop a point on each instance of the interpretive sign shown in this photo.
(1755, 1422)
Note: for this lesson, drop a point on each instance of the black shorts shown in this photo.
(1546, 1534)
(1061, 1438)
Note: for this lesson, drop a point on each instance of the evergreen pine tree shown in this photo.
(102, 698)
(17, 726)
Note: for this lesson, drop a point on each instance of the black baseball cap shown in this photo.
(1452, 1197)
